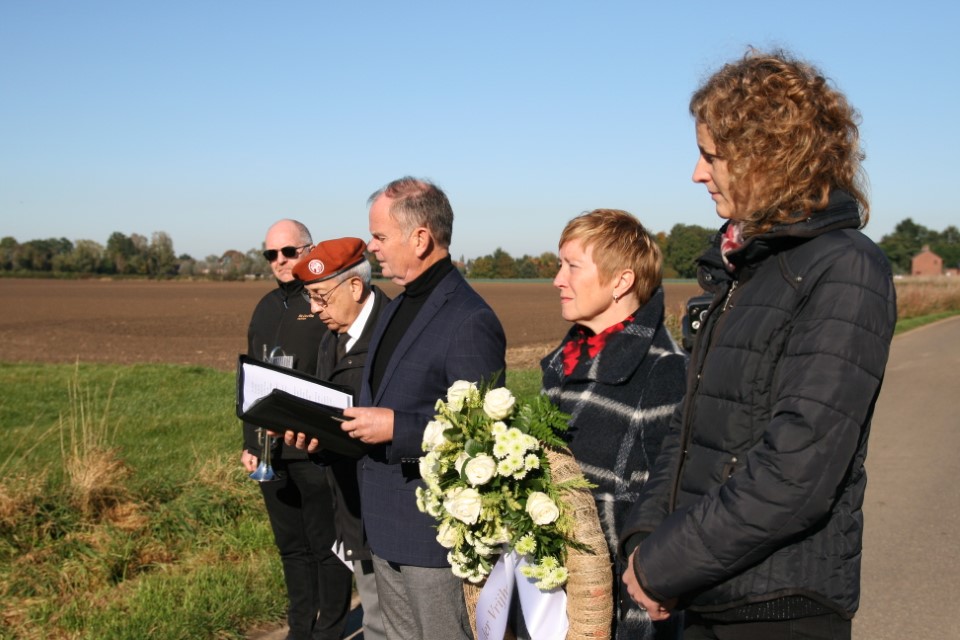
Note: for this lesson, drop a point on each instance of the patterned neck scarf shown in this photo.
(583, 341)
(731, 240)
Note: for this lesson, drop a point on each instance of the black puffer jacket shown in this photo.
(754, 508)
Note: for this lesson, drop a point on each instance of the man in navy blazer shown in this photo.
(438, 331)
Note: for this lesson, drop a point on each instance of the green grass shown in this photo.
(171, 540)
(161, 535)
(912, 323)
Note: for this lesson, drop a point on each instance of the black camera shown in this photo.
(697, 308)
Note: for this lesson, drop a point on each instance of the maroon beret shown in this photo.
(329, 258)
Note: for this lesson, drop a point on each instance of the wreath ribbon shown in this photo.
(544, 612)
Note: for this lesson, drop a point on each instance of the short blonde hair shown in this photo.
(618, 241)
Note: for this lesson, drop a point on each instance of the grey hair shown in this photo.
(362, 270)
(419, 203)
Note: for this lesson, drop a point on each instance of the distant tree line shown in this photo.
(908, 238)
(135, 255)
(680, 250)
(123, 255)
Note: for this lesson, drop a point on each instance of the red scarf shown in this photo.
(731, 240)
(593, 344)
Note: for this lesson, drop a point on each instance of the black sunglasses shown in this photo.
(288, 252)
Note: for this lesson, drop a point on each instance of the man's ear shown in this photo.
(423, 241)
(356, 288)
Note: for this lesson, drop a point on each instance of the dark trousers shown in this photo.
(319, 585)
(826, 627)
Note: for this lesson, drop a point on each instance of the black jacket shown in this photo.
(283, 319)
(349, 374)
(753, 510)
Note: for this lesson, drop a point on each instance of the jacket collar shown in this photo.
(619, 358)
(841, 212)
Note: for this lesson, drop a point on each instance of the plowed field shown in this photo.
(205, 323)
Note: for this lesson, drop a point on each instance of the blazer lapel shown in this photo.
(435, 301)
(381, 326)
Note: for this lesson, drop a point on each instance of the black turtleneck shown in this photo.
(411, 301)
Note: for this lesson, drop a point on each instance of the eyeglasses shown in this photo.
(322, 299)
(288, 252)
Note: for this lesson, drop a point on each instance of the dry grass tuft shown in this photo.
(222, 472)
(922, 296)
(94, 471)
(96, 481)
(126, 516)
(19, 495)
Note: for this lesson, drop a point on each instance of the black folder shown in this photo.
(281, 410)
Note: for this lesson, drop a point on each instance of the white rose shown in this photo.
(498, 403)
(430, 468)
(459, 392)
(460, 461)
(447, 535)
(541, 508)
(433, 435)
(463, 504)
(479, 470)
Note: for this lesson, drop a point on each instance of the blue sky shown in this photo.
(209, 120)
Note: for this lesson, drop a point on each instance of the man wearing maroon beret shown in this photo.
(438, 331)
(284, 331)
(336, 283)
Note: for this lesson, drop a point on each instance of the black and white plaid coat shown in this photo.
(620, 404)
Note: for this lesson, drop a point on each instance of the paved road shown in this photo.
(911, 558)
(910, 586)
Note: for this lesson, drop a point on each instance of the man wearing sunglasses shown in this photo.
(284, 331)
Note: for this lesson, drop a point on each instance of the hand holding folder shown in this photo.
(282, 399)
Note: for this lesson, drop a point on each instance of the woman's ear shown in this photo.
(623, 283)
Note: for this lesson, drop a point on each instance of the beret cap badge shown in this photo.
(328, 258)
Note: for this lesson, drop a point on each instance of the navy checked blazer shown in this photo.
(454, 336)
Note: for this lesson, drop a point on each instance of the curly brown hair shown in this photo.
(618, 241)
(788, 137)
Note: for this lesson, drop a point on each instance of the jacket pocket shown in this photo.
(729, 468)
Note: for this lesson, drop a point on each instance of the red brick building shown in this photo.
(926, 263)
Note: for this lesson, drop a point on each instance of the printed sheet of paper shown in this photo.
(259, 381)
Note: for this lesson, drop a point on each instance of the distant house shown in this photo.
(926, 263)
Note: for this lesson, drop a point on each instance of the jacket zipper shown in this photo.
(726, 302)
(686, 430)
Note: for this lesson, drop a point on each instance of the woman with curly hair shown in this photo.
(751, 521)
